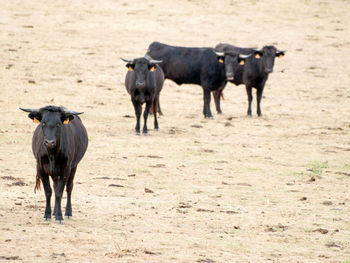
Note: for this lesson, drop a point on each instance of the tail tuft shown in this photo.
(222, 95)
(37, 183)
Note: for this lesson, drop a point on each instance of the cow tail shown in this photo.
(37, 183)
(222, 95)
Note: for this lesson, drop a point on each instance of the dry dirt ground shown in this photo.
(232, 189)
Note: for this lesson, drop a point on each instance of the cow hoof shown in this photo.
(47, 219)
(156, 129)
(249, 116)
(61, 222)
(145, 134)
(137, 133)
(68, 217)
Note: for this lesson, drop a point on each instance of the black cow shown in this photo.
(144, 81)
(254, 73)
(201, 66)
(59, 143)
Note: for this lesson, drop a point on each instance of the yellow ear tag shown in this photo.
(66, 121)
(130, 68)
(221, 60)
(257, 55)
(152, 69)
(35, 120)
(280, 55)
(241, 62)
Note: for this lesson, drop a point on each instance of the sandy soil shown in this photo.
(232, 189)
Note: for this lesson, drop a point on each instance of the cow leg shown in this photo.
(69, 189)
(48, 192)
(138, 109)
(250, 98)
(158, 105)
(145, 116)
(206, 107)
(259, 93)
(217, 96)
(154, 107)
(59, 183)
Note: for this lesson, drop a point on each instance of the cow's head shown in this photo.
(231, 61)
(141, 67)
(51, 119)
(267, 56)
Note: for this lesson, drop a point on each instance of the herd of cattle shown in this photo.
(211, 68)
(60, 140)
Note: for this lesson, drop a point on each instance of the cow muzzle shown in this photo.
(140, 84)
(49, 143)
(268, 70)
(229, 77)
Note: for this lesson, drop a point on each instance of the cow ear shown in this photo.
(280, 54)
(221, 59)
(130, 66)
(152, 67)
(66, 118)
(258, 54)
(241, 61)
(35, 116)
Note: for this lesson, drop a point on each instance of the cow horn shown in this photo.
(257, 49)
(73, 112)
(153, 61)
(28, 110)
(231, 52)
(281, 51)
(218, 53)
(244, 56)
(125, 60)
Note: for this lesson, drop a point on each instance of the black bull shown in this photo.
(144, 81)
(59, 143)
(254, 73)
(202, 66)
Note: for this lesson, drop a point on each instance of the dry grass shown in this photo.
(271, 189)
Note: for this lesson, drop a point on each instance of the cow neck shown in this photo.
(54, 153)
(257, 68)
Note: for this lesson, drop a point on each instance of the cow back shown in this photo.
(187, 64)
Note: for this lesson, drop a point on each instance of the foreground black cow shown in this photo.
(59, 143)
(144, 81)
(201, 66)
(254, 73)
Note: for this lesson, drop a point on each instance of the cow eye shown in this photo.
(57, 124)
(43, 124)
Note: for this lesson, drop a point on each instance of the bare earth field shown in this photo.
(231, 189)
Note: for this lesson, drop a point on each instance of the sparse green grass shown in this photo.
(317, 167)
(308, 230)
(346, 261)
(296, 174)
(140, 171)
